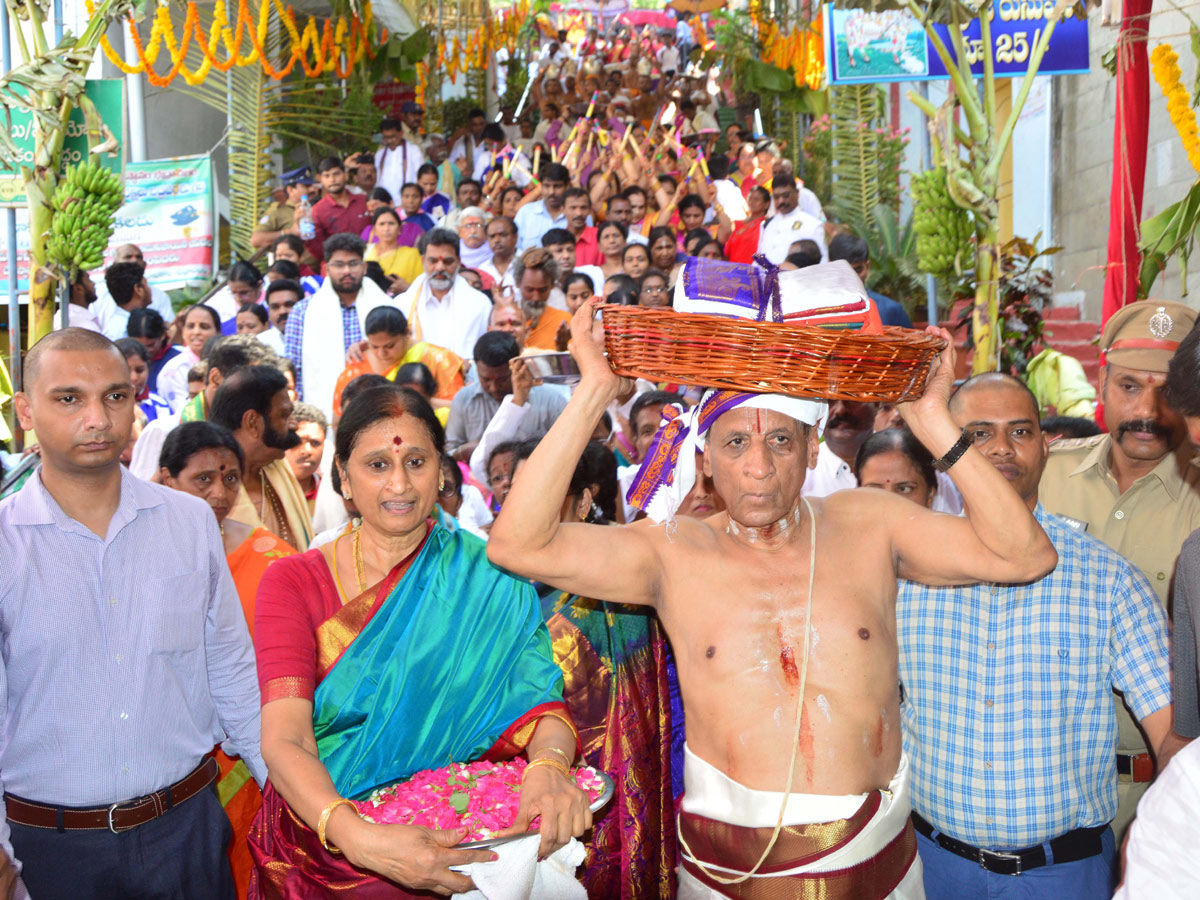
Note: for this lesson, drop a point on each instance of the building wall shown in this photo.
(1083, 160)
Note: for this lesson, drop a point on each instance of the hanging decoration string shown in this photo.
(338, 45)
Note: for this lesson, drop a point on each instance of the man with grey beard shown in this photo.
(441, 307)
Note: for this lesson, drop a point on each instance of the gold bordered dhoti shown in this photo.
(854, 847)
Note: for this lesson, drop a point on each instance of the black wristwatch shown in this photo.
(954, 454)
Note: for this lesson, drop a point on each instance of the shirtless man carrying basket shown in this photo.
(781, 611)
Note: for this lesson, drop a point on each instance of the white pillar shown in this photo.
(135, 101)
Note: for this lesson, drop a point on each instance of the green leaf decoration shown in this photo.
(460, 801)
(1172, 232)
(416, 45)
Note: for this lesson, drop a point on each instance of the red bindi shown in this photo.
(396, 441)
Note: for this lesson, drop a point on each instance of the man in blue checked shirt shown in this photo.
(1008, 714)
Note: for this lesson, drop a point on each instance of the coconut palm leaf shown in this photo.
(319, 115)
(854, 111)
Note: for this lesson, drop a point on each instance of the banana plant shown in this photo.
(1171, 233)
(974, 150)
(48, 84)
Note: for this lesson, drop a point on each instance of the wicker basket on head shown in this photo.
(766, 357)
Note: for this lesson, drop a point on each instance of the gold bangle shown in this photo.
(552, 763)
(324, 820)
(566, 759)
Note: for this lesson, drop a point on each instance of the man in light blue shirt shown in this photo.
(1008, 717)
(535, 219)
(125, 654)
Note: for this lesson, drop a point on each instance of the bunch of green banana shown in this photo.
(84, 202)
(943, 229)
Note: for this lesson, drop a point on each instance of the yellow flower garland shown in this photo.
(337, 46)
(1165, 63)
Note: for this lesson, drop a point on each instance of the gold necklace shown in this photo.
(359, 567)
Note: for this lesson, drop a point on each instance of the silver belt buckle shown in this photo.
(1000, 854)
(111, 809)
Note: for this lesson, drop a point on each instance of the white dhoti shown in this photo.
(864, 849)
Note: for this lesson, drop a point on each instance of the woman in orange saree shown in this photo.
(431, 656)
(204, 460)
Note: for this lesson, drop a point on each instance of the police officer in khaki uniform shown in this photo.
(1136, 487)
(280, 217)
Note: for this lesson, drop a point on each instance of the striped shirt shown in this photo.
(293, 336)
(124, 659)
(1008, 712)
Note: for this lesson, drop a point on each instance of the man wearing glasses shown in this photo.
(321, 328)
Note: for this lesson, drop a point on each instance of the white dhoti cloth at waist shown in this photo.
(840, 868)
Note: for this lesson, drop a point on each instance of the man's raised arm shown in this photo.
(596, 561)
(999, 540)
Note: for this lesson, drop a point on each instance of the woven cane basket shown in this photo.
(766, 357)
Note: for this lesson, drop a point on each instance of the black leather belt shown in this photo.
(1082, 843)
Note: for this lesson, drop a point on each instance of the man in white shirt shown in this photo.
(159, 300)
(1159, 855)
(441, 307)
(502, 238)
(470, 145)
(397, 161)
(79, 313)
(496, 152)
(847, 426)
(789, 224)
(809, 202)
(729, 195)
(668, 56)
(703, 121)
(127, 290)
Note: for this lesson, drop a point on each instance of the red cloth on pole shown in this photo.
(1132, 125)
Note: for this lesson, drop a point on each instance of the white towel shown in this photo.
(517, 874)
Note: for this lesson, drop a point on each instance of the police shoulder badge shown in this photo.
(1161, 323)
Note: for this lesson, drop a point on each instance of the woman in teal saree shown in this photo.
(395, 649)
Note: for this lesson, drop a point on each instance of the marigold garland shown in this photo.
(337, 46)
(1165, 63)
(802, 51)
(454, 55)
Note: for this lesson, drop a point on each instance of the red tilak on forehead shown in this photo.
(396, 442)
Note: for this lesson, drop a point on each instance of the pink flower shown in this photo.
(493, 797)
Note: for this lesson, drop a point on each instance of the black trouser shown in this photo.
(178, 856)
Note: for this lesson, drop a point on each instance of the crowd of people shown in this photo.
(326, 529)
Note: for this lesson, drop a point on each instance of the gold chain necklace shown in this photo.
(359, 567)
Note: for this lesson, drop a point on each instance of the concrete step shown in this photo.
(1061, 313)
(1062, 331)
